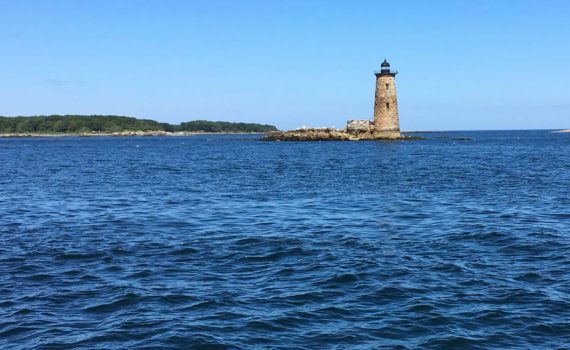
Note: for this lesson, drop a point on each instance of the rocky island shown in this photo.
(384, 126)
(328, 134)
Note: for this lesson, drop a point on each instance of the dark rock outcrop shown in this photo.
(322, 134)
(328, 134)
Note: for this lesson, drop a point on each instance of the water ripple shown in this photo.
(231, 243)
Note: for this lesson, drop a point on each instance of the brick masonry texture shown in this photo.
(386, 104)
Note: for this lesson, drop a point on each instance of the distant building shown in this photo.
(386, 123)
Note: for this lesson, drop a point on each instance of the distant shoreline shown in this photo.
(113, 125)
(155, 133)
(124, 134)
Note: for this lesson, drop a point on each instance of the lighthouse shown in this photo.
(385, 126)
(386, 122)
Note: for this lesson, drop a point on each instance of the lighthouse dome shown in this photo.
(385, 64)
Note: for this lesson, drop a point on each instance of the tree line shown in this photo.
(113, 123)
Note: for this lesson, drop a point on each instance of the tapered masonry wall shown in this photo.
(386, 119)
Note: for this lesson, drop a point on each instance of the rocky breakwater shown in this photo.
(329, 134)
(312, 134)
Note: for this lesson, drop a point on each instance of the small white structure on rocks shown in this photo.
(358, 126)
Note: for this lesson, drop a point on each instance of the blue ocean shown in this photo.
(459, 241)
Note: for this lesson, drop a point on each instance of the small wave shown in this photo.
(334, 310)
(304, 297)
(388, 294)
(249, 240)
(40, 277)
(529, 277)
(265, 258)
(81, 256)
(177, 299)
(264, 326)
(453, 342)
(23, 311)
(206, 304)
(422, 308)
(16, 330)
(89, 277)
(121, 302)
(275, 256)
(485, 237)
(296, 320)
(447, 267)
(141, 274)
(185, 251)
(491, 316)
(343, 278)
(551, 329)
(288, 271)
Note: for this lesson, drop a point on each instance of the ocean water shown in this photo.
(227, 242)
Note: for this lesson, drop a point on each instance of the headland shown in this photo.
(111, 125)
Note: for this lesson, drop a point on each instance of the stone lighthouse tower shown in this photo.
(386, 120)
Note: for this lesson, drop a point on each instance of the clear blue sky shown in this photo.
(463, 64)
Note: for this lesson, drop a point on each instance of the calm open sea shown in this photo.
(227, 242)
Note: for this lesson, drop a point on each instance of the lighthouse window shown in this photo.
(387, 106)
(387, 86)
